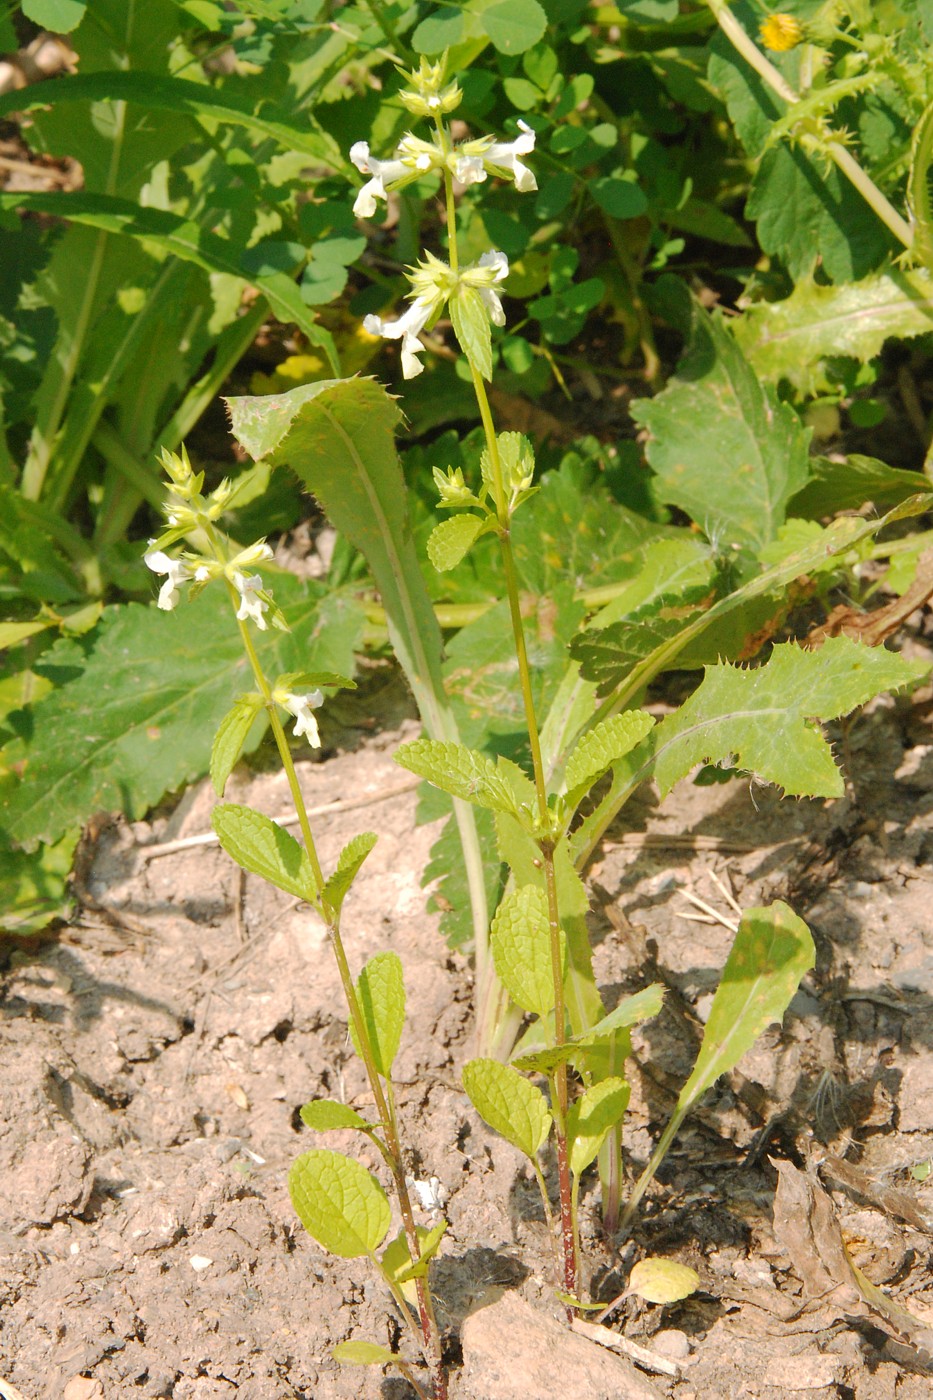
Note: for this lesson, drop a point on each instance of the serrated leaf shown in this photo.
(591, 1118)
(601, 747)
(380, 991)
(724, 448)
(451, 540)
(520, 941)
(327, 1115)
(459, 771)
(230, 738)
(764, 715)
(514, 25)
(339, 1203)
(470, 320)
(792, 339)
(256, 843)
(348, 864)
(662, 1280)
(137, 714)
(511, 1106)
(772, 951)
(363, 1354)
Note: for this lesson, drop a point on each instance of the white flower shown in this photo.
(177, 572)
(499, 264)
(382, 172)
(504, 155)
(407, 329)
(251, 604)
(300, 706)
(470, 170)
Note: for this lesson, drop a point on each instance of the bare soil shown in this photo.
(156, 1054)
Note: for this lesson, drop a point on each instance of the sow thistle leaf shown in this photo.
(451, 539)
(327, 1115)
(765, 715)
(601, 747)
(256, 843)
(511, 1106)
(459, 771)
(348, 866)
(363, 1354)
(380, 990)
(339, 1203)
(662, 1280)
(592, 1117)
(230, 738)
(520, 941)
(772, 950)
(470, 320)
(848, 484)
(607, 654)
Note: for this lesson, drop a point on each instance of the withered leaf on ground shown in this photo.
(863, 1185)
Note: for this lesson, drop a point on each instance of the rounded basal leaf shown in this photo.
(520, 942)
(451, 539)
(662, 1281)
(326, 1115)
(380, 991)
(508, 1103)
(339, 1203)
(363, 1354)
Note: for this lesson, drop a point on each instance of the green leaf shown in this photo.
(34, 885)
(230, 738)
(380, 990)
(256, 843)
(592, 1117)
(514, 25)
(792, 339)
(849, 484)
(451, 540)
(337, 436)
(396, 1262)
(470, 320)
(184, 239)
(641, 1006)
(58, 16)
(620, 197)
(725, 449)
(520, 941)
(139, 700)
(662, 1280)
(363, 1354)
(764, 715)
(339, 1203)
(327, 1115)
(348, 865)
(508, 1103)
(601, 747)
(459, 771)
(772, 951)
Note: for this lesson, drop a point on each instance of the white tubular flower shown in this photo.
(498, 263)
(177, 572)
(382, 171)
(407, 328)
(503, 156)
(251, 604)
(300, 706)
(258, 553)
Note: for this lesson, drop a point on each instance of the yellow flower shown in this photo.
(780, 33)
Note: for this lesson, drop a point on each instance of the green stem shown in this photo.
(831, 146)
(389, 30)
(648, 1175)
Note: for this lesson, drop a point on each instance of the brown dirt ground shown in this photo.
(157, 1051)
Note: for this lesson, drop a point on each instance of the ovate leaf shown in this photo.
(847, 484)
(521, 949)
(641, 1006)
(508, 1103)
(662, 1281)
(339, 1203)
(764, 716)
(230, 738)
(459, 771)
(451, 539)
(772, 950)
(470, 321)
(348, 864)
(592, 1117)
(363, 1354)
(725, 449)
(514, 25)
(256, 843)
(601, 747)
(327, 1115)
(380, 991)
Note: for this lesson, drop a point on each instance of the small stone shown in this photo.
(200, 1262)
(83, 1388)
(672, 1343)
